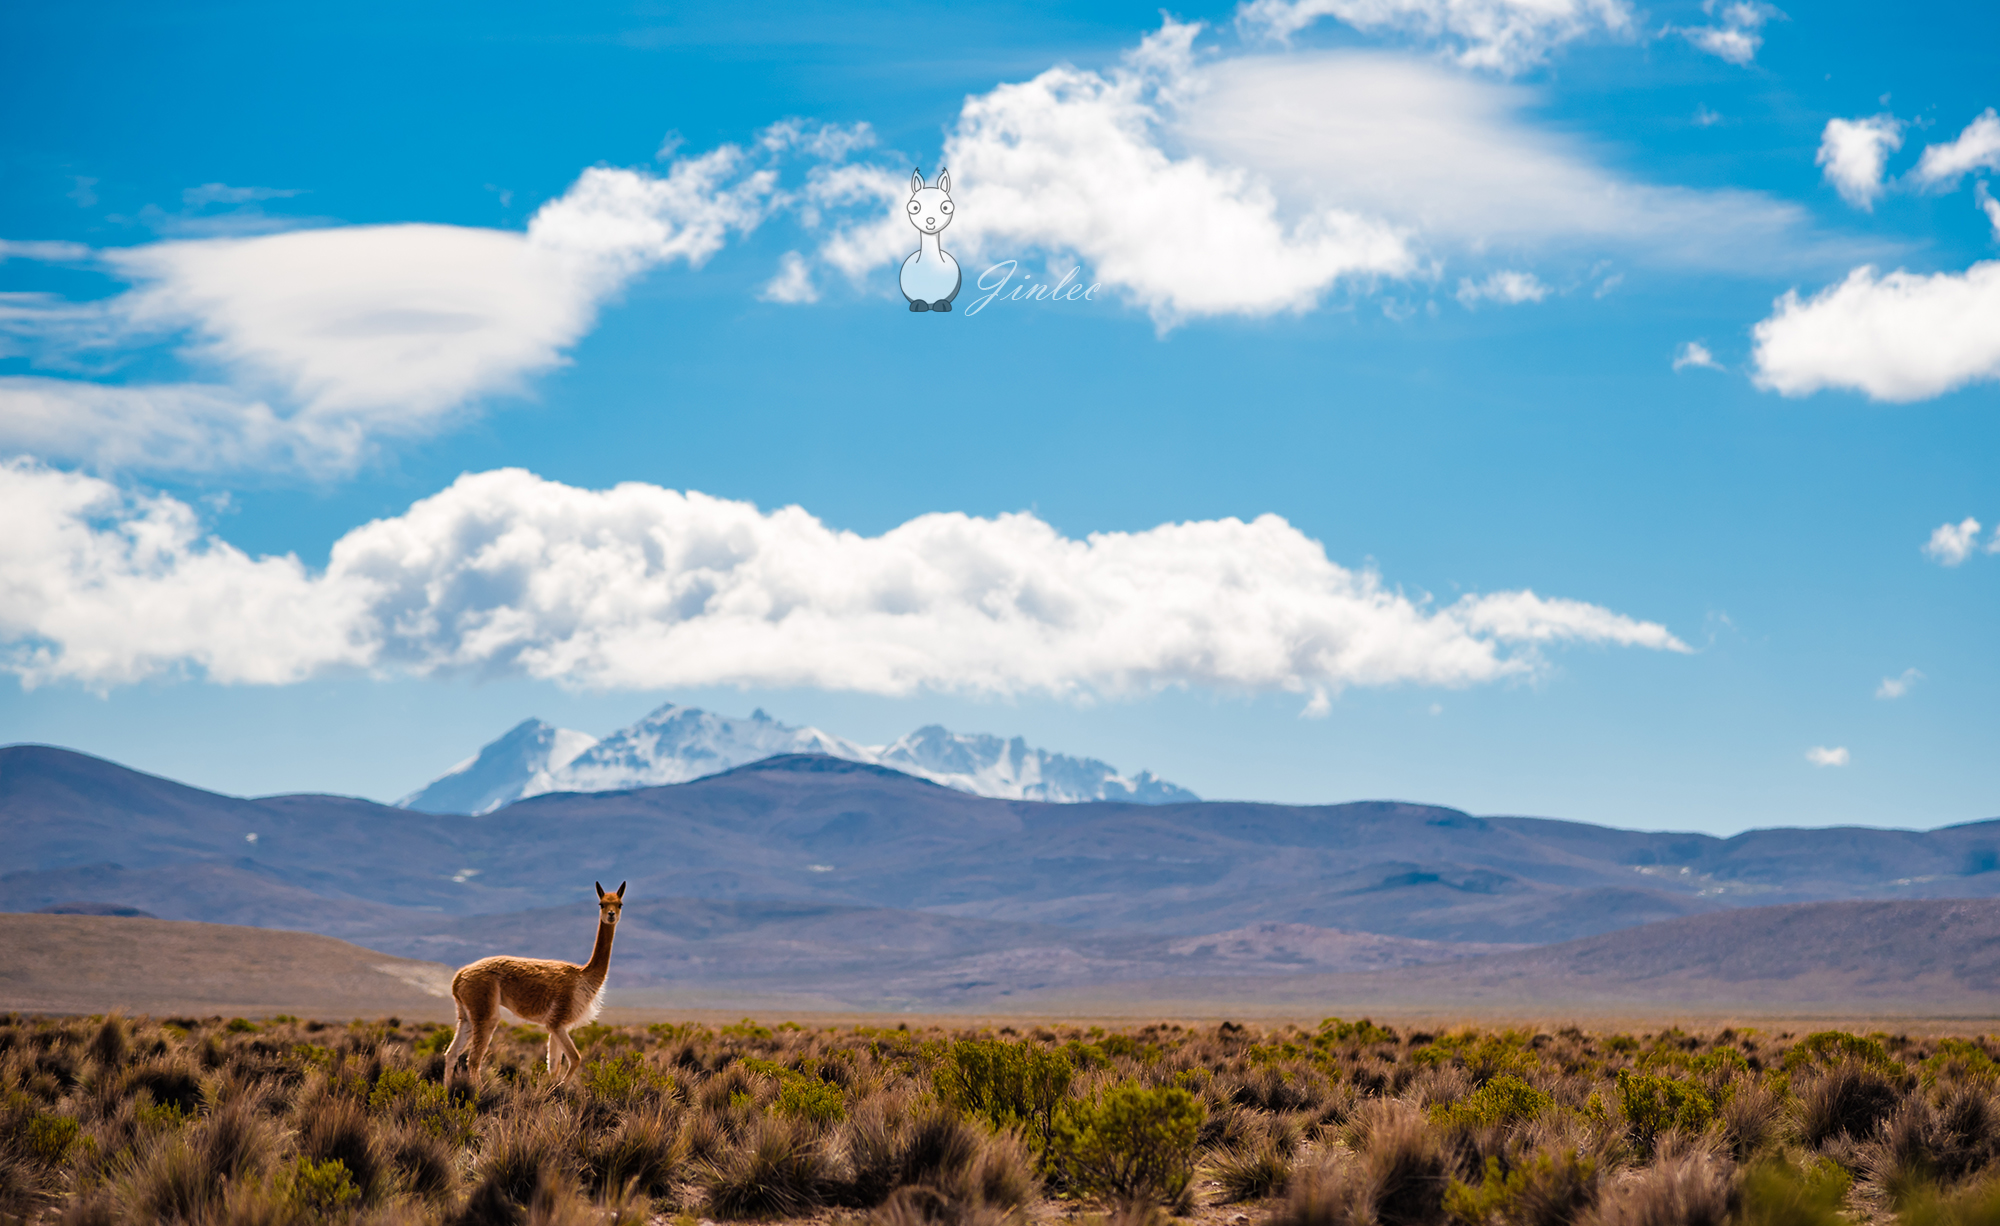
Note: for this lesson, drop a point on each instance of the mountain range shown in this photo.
(815, 828)
(675, 744)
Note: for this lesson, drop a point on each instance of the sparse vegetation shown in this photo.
(283, 1122)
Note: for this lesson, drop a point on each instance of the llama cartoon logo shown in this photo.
(930, 276)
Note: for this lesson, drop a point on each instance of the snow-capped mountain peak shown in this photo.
(675, 744)
(496, 775)
(989, 766)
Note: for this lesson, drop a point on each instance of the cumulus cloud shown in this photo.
(1506, 36)
(1072, 162)
(649, 588)
(1252, 183)
(1977, 148)
(1901, 337)
(1896, 687)
(1505, 286)
(1694, 353)
(1853, 153)
(1821, 755)
(1951, 544)
(1735, 35)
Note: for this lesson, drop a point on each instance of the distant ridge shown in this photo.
(676, 744)
(827, 832)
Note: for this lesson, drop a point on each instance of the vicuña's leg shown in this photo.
(461, 1038)
(572, 1058)
(485, 1011)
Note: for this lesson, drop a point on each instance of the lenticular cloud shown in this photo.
(643, 587)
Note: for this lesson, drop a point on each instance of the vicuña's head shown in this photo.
(930, 207)
(609, 905)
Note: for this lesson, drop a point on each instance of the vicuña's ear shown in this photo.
(944, 181)
(917, 180)
(600, 888)
(621, 889)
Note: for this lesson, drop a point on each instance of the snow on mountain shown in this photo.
(498, 774)
(675, 744)
(989, 766)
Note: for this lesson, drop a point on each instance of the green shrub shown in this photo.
(1132, 1143)
(1551, 1190)
(1961, 1058)
(1333, 1030)
(816, 1102)
(321, 1186)
(51, 1137)
(394, 1084)
(1482, 1056)
(1009, 1085)
(433, 1043)
(1833, 1046)
(1503, 1100)
(238, 1025)
(402, 1093)
(1654, 1105)
(626, 1078)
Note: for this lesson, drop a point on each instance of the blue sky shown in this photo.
(1477, 303)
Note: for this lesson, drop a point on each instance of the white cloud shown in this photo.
(1900, 337)
(330, 337)
(1951, 544)
(793, 284)
(1072, 162)
(1977, 148)
(1820, 755)
(1503, 35)
(1456, 162)
(105, 587)
(1896, 687)
(1505, 286)
(1694, 353)
(1736, 36)
(1991, 207)
(182, 427)
(1854, 152)
(643, 587)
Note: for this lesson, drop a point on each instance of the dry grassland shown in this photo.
(1342, 1123)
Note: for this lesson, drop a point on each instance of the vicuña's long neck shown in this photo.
(600, 955)
(931, 247)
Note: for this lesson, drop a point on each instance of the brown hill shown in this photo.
(96, 963)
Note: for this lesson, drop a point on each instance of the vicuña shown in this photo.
(558, 995)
